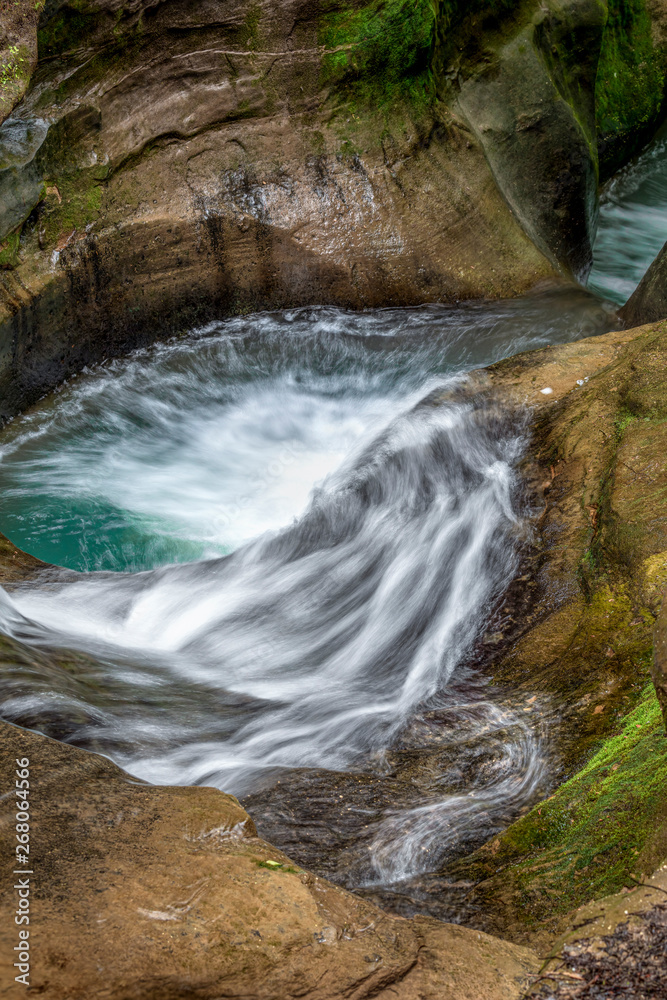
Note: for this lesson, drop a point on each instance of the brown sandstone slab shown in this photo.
(146, 892)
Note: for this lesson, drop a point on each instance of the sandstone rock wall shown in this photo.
(175, 161)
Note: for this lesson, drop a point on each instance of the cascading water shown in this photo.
(633, 223)
(284, 537)
(313, 650)
(331, 631)
(354, 516)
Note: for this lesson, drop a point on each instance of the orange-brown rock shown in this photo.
(175, 162)
(164, 893)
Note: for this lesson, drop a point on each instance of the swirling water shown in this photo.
(310, 522)
(300, 524)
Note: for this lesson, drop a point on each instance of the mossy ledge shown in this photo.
(586, 652)
(630, 85)
(600, 831)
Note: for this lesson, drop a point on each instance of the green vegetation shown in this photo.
(14, 74)
(68, 29)
(249, 33)
(9, 251)
(630, 82)
(582, 842)
(385, 51)
(81, 201)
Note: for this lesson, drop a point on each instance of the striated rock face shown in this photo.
(158, 893)
(175, 161)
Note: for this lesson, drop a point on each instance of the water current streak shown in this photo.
(320, 648)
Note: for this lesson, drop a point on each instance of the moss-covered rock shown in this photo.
(18, 50)
(630, 87)
(601, 826)
(586, 646)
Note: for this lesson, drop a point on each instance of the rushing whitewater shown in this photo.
(355, 514)
(315, 644)
(338, 625)
(284, 538)
(633, 223)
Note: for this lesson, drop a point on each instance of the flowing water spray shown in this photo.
(318, 644)
(632, 227)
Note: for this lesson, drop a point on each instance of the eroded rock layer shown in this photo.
(171, 162)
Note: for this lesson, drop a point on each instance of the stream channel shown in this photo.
(279, 558)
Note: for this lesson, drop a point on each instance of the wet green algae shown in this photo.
(598, 829)
(630, 86)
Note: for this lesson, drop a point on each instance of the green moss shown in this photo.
(14, 74)
(381, 50)
(630, 82)
(585, 840)
(389, 56)
(249, 33)
(9, 251)
(67, 30)
(623, 420)
(81, 203)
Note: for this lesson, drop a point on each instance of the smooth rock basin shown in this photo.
(154, 876)
(295, 665)
(341, 658)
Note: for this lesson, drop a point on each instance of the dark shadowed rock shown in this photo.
(660, 659)
(648, 303)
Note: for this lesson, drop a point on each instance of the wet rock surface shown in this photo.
(141, 891)
(648, 303)
(178, 162)
(599, 445)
